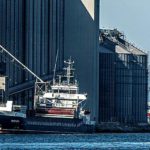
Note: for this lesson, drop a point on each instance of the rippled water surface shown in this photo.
(75, 141)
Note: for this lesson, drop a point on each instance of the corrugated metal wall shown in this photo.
(131, 88)
(140, 93)
(106, 87)
(11, 35)
(32, 30)
(81, 42)
(123, 87)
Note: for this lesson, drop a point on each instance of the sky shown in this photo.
(132, 17)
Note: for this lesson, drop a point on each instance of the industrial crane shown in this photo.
(5, 51)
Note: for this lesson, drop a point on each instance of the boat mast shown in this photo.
(20, 63)
(68, 70)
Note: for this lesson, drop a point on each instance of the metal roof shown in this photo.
(122, 45)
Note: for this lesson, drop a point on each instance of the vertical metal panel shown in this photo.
(106, 87)
(35, 33)
(140, 88)
(10, 34)
(46, 36)
(123, 90)
(43, 46)
(81, 43)
(20, 38)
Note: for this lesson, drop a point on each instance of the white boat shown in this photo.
(62, 98)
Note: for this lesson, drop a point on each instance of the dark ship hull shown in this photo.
(11, 122)
(57, 125)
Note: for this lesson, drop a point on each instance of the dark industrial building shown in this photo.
(112, 71)
(123, 78)
(34, 30)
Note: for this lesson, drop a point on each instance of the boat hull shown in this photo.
(60, 125)
(14, 124)
(11, 122)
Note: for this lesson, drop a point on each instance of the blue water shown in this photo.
(75, 141)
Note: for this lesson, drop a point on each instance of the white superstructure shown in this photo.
(63, 94)
(8, 110)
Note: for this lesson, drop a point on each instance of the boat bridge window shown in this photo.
(55, 91)
(73, 92)
(63, 91)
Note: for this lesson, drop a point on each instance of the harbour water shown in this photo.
(75, 141)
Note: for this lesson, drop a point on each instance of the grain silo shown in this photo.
(124, 80)
(81, 40)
